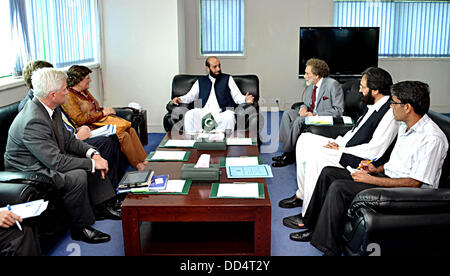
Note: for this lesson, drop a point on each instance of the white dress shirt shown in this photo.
(419, 153)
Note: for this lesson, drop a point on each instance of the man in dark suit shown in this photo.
(38, 141)
(324, 97)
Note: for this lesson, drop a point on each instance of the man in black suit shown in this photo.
(38, 141)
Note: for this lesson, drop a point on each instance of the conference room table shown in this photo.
(195, 224)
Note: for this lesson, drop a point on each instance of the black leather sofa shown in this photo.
(402, 221)
(181, 84)
(19, 187)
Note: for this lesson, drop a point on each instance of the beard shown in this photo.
(368, 99)
(216, 75)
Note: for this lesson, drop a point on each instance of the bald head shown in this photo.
(213, 67)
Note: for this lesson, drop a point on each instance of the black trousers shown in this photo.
(327, 210)
(109, 148)
(14, 242)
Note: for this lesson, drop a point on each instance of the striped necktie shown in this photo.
(313, 104)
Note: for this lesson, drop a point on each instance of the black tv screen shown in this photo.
(348, 51)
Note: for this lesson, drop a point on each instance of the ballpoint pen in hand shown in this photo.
(17, 223)
(373, 160)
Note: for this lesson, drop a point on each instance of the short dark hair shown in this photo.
(76, 74)
(31, 67)
(415, 93)
(378, 79)
(318, 67)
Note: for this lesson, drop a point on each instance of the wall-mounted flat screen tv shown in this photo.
(348, 51)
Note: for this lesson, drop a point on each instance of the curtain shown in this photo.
(19, 35)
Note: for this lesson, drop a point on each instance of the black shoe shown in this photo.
(107, 212)
(304, 236)
(287, 159)
(294, 221)
(89, 235)
(291, 202)
(279, 157)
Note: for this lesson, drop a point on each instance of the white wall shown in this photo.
(272, 50)
(141, 54)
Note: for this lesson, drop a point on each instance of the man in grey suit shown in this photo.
(39, 142)
(324, 97)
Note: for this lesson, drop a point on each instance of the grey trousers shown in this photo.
(292, 125)
(81, 189)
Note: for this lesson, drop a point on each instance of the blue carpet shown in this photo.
(281, 186)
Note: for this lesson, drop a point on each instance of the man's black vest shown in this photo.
(364, 135)
(223, 93)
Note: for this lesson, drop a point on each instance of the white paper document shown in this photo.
(180, 143)
(239, 141)
(319, 120)
(247, 190)
(242, 161)
(28, 209)
(174, 186)
(347, 120)
(168, 155)
(104, 131)
(352, 170)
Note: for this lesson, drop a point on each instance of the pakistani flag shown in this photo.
(208, 123)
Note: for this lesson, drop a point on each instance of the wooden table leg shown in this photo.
(131, 234)
(262, 233)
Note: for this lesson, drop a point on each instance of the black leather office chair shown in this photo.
(402, 221)
(249, 114)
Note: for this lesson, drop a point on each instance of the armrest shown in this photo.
(297, 105)
(125, 112)
(243, 109)
(401, 201)
(37, 180)
(329, 131)
(170, 106)
(15, 193)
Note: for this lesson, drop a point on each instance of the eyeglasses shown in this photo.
(392, 102)
(362, 87)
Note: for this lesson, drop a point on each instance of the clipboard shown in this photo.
(222, 162)
(165, 142)
(215, 189)
(185, 158)
(259, 171)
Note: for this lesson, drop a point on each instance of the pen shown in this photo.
(373, 160)
(17, 223)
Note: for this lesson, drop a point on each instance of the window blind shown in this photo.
(407, 28)
(222, 26)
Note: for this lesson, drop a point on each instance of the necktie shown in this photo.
(313, 104)
(55, 127)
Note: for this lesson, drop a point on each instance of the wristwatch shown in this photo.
(94, 153)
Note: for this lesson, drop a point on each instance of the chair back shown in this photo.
(444, 123)
(7, 115)
(181, 84)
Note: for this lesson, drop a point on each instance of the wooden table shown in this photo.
(195, 224)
